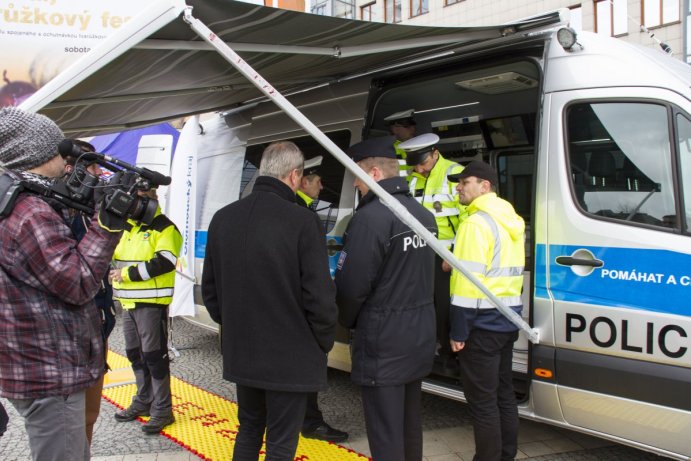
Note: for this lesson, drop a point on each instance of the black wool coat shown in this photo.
(266, 281)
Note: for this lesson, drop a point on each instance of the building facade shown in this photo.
(654, 23)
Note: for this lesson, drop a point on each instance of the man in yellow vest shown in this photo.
(143, 283)
(491, 244)
(430, 186)
(403, 127)
(314, 426)
(310, 184)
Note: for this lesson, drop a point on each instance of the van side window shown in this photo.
(620, 158)
(684, 135)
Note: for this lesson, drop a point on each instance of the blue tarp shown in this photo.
(124, 145)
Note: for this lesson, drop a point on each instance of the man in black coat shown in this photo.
(266, 281)
(385, 286)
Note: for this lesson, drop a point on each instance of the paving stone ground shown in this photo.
(448, 432)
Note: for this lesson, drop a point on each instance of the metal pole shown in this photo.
(399, 210)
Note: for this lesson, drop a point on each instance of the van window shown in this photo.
(621, 161)
(684, 132)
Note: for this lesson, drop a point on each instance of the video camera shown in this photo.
(78, 190)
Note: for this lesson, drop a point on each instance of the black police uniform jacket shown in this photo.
(384, 291)
(266, 281)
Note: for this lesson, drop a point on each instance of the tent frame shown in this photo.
(399, 210)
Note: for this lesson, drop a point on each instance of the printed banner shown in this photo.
(182, 199)
(40, 38)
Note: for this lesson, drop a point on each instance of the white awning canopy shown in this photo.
(156, 68)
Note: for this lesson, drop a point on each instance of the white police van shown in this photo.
(591, 140)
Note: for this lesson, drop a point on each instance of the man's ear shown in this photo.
(68, 168)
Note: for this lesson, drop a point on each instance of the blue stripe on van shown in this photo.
(646, 279)
(200, 244)
(200, 248)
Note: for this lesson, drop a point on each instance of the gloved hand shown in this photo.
(110, 221)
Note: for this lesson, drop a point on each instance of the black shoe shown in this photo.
(156, 424)
(130, 414)
(326, 433)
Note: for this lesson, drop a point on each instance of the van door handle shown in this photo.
(571, 261)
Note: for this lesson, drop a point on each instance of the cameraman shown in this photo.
(79, 223)
(51, 348)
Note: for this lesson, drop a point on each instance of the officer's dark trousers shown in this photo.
(146, 343)
(442, 306)
(392, 419)
(486, 373)
(313, 415)
(280, 413)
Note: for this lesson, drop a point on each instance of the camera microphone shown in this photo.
(69, 148)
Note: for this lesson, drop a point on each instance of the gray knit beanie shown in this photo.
(27, 140)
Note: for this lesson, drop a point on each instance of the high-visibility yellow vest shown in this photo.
(491, 244)
(401, 155)
(137, 246)
(439, 196)
(305, 198)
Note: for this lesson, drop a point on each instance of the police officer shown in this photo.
(307, 195)
(143, 283)
(431, 187)
(490, 242)
(310, 184)
(384, 291)
(403, 127)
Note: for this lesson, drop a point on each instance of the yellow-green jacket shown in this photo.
(439, 196)
(403, 168)
(491, 244)
(147, 256)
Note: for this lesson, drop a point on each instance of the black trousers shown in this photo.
(392, 419)
(486, 373)
(280, 413)
(313, 415)
(442, 306)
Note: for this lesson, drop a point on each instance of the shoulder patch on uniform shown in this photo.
(341, 259)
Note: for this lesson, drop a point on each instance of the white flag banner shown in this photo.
(182, 211)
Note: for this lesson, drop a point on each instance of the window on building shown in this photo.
(611, 17)
(621, 162)
(576, 21)
(319, 9)
(393, 10)
(418, 7)
(659, 12)
(451, 2)
(368, 12)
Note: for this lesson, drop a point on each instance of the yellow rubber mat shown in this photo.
(206, 424)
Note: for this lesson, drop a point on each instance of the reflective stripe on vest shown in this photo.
(151, 293)
(474, 303)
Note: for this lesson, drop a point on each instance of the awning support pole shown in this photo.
(399, 210)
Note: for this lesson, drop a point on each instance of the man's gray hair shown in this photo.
(280, 158)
